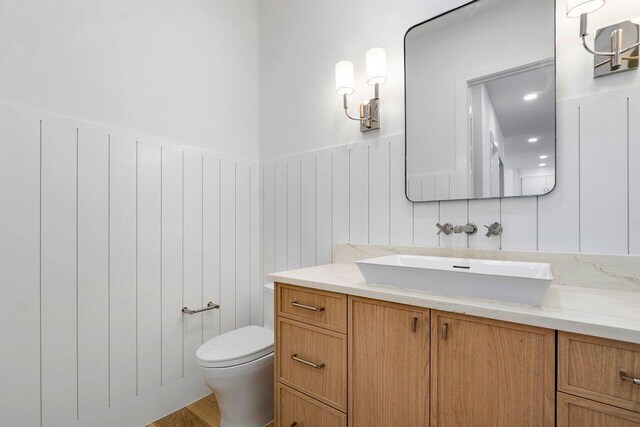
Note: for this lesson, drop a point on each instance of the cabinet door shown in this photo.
(491, 373)
(388, 364)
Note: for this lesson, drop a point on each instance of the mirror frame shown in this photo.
(555, 90)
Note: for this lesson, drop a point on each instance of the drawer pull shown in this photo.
(306, 362)
(445, 331)
(293, 424)
(307, 307)
(414, 324)
(625, 377)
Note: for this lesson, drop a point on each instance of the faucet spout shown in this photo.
(469, 228)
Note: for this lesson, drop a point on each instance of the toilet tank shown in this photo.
(268, 305)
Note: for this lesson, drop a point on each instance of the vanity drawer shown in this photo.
(312, 360)
(324, 309)
(575, 411)
(594, 368)
(294, 408)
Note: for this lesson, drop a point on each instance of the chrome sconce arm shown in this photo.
(368, 111)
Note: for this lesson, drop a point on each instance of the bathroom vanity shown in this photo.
(351, 354)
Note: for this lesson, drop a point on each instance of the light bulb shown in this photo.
(376, 66)
(344, 78)
(575, 8)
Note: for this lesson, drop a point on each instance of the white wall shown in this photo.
(107, 232)
(354, 192)
(184, 70)
(300, 42)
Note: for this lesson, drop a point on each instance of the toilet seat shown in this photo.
(236, 347)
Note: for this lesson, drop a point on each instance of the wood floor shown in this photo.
(203, 413)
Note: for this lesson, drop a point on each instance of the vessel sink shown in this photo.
(510, 281)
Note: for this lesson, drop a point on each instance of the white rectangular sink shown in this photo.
(519, 282)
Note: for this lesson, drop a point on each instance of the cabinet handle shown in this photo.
(414, 324)
(307, 307)
(306, 362)
(293, 424)
(445, 331)
(625, 377)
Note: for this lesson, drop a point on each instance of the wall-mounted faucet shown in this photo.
(470, 229)
(494, 229)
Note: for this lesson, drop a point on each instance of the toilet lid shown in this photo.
(236, 347)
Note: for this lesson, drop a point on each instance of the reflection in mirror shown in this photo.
(480, 102)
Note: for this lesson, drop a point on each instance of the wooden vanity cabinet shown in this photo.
(343, 360)
(490, 373)
(388, 364)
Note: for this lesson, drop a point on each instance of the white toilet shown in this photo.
(238, 366)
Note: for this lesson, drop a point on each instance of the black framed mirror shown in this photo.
(480, 102)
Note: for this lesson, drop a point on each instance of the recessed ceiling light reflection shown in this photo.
(542, 165)
(544, 156)
(532, 140)
(530, 96)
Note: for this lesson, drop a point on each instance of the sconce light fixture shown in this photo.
(369, 116)
(616, 46)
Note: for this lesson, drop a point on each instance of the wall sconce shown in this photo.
(616, 46)
(369, 116)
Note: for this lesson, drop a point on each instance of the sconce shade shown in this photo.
(376, 66)
(344, 78)
(575, 8)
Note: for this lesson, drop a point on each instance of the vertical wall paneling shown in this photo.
(481, 213)
(149, 269)
(558, 212)
(269, 219)
(228, 242)
(254, 245)
(281, 216)
(340, 194)
(211, 243)
(58, 269)
(293, 213)
(520, 222)
(93, 271)
(634, 175)
(426, 215)
(192, 261)
(19, 263)
(323, 214)
(308, 211)
(379, 193)
(359, 195)
(401, 216)
(94, 227)
(603, 177)
(172, 317)
(414, 189)
(243, 245)
(122, 268)
(457, 213)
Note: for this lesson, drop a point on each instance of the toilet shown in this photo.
(238, 367)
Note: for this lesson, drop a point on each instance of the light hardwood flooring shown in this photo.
(203, 413)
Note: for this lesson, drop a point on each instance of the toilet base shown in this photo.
(244, 392)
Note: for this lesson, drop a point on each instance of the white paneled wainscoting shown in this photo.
(355, 194)
(104, 236)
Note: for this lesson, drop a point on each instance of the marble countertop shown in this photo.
(603, 313)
